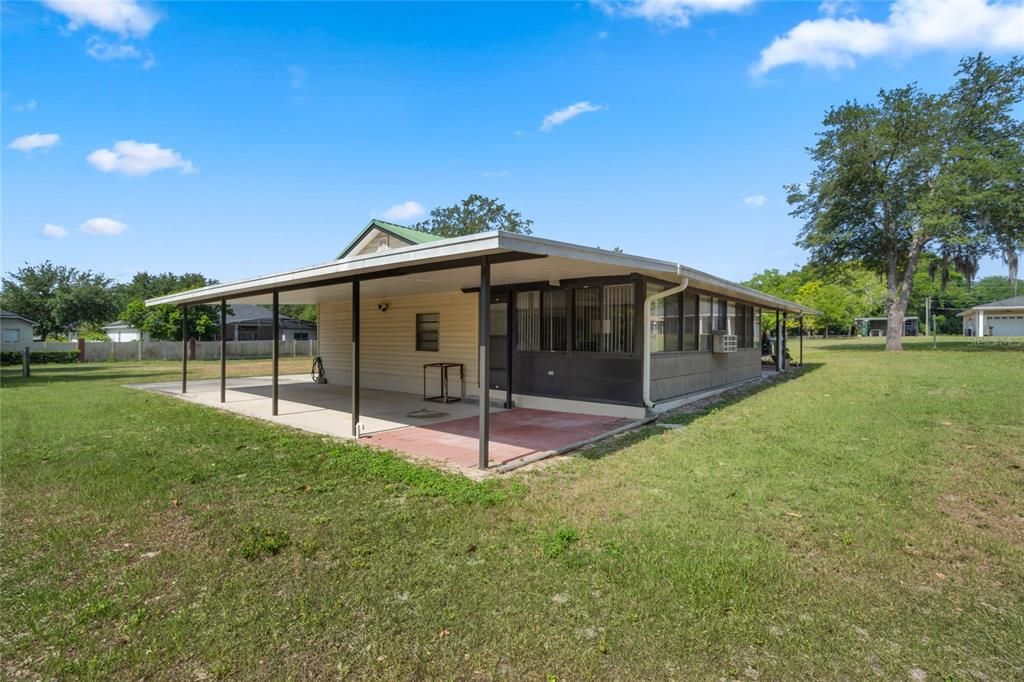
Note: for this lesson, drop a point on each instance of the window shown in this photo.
(553, 320)
(691, 337)
(301, 336)
(586, 308)
(528, 320)
(427, 330)
(604, 319)
(705, 323)
(719, 316)
(12, 335)
(619, 318)
(665, 323)
(732, 322)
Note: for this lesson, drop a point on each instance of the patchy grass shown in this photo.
(861, 520)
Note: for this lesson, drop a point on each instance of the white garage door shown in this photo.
(1005, 325)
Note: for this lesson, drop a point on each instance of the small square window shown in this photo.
(427, 330)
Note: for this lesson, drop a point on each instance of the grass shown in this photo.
(862, 520)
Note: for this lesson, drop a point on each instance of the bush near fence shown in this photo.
(38, 357)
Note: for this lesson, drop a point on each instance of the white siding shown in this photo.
(389, 359)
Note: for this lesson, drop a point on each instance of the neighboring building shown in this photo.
(878, 326)
(14, 328)
(122, 331)
(999, 318)
(248, 322)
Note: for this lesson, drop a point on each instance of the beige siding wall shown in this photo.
(389, 359)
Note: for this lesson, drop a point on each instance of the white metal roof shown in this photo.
(313, 284)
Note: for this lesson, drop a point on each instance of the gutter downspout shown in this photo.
(647, 334)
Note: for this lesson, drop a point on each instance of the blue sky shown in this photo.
(236, 139)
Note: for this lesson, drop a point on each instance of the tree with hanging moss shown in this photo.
(916, 173)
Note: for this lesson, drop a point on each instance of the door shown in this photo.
(498, 356)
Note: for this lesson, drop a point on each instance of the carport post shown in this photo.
(275, 329)
(779, 357)
(785, 341)
(355, 358)
(801, 339)
(184, 348)
(223, 348)
(484, 338)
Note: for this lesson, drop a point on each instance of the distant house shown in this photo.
(122, 331)
(878, 326)
(998, 318)
(14, 328)
(255, 323)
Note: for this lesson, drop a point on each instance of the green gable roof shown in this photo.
(406, 234)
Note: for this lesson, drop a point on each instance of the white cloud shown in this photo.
(557, 118)
(124, 17)
(601, 35)
(404, 211)
(835, 8)
(755, 200)
(104, 226)
(28, 143)
(913, 26)
(52, 231)
(138, 158)
(297, 77)
(106, 52)
(670, 13)
(495, 174)
(27, 106)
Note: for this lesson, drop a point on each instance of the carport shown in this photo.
(469, 264)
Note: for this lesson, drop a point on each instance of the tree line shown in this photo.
(843, 294)
(62, 299)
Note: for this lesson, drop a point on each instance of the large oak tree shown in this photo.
(915, 172)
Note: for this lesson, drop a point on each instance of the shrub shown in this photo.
(39, 357)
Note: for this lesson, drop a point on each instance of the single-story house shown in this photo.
(998, 318)
(14, 328)
(121, 332)
(248, 322)
(536, 323)
(878, 326)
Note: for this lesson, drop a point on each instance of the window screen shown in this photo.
(428, 327)
(691, 340)
(553, 319)
(705, 323)
(528, 320)
(618, 318)
(665, 324)
(586, 309)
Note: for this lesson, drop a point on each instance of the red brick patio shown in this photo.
(514, 433)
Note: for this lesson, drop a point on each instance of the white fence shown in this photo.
(100, 351)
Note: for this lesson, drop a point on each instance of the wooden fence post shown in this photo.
(26, 362)
(81, 350)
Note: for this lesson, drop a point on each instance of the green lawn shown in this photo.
(863, 519)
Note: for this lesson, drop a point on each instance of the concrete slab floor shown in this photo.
(318, 408)
(398, 421)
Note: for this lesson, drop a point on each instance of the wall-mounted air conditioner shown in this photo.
(724, 343)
